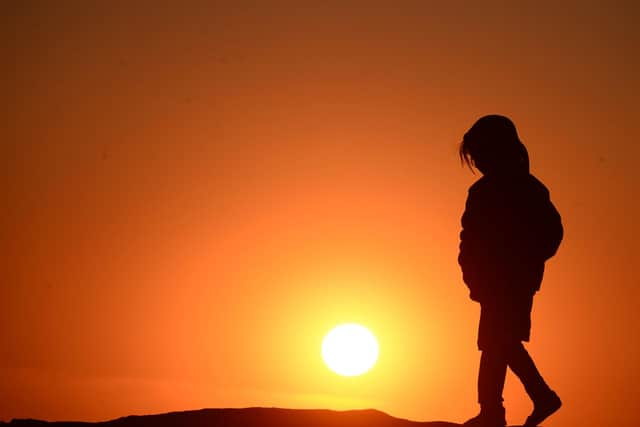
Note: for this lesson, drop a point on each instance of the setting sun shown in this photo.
(350, 350)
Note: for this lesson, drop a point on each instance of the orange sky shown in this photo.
(194, 194)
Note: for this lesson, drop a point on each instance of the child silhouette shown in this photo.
(509, 229)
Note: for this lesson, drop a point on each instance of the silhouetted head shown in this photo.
(492, 146)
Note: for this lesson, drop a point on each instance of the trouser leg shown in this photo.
(491, 377)
(525, 369)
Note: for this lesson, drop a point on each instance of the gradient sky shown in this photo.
(195, 193)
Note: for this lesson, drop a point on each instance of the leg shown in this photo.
(545, 400)
(525, 369)
(491, 376)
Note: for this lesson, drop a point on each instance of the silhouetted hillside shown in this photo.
(251, 417)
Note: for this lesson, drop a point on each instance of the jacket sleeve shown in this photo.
(473, 255)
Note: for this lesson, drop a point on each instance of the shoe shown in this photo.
(542, 409)
(488, 418)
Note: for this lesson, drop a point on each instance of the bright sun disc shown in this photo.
(350, 349)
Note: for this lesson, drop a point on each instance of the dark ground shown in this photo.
(250, 417)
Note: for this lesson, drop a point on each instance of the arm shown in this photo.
(473, 256)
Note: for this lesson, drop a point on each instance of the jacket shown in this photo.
(510, 228)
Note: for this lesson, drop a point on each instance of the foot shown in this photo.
(542, 409)
(487, 418)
